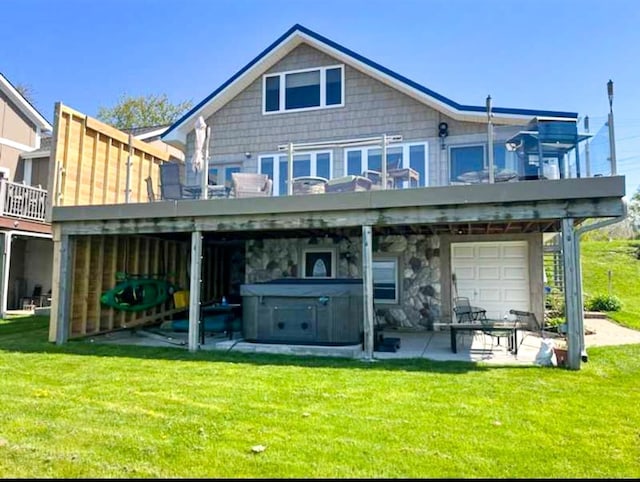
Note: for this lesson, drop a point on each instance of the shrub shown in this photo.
(604, 303)
(555, 302)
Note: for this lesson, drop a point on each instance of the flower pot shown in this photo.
(561, 356)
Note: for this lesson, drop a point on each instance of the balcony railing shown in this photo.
(21, 201)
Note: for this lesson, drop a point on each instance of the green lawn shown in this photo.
(600, 257)
(88, 410)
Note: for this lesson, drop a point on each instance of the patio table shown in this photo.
(488, 325)
(213, 191)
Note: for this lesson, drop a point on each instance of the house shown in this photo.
(25, 237)
(458, 205)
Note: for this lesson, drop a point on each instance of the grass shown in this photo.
(600, 257)
(86, 410)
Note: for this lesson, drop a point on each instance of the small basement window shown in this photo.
(385, 280)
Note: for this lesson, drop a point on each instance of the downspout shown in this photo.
(578, 232)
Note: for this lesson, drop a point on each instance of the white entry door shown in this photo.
(493, 275)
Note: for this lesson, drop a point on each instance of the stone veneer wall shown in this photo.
(419, 270)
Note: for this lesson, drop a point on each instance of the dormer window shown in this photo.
(307, 89)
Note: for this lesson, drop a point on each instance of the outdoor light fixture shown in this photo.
(443, 131)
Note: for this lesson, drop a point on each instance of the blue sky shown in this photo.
(547, 54)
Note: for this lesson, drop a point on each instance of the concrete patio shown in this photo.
(432, 345)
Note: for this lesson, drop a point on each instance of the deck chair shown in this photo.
(534, 326)
(33, 301)
(170, 185)
(496, 334)
(376, 179)
(465, 313)
(248, 184)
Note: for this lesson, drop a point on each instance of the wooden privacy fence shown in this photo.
(94, 163)
(95, 260)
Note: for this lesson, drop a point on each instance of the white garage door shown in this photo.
(493, 275)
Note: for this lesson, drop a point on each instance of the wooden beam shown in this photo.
(194, 288)
(105, 176)
(153, 317)
(171, 217)
(61, 289)
(156, 263)
(98, 274)
(123, 137)
(113, 268)
(367, 286)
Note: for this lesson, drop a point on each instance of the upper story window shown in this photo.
(307, 89)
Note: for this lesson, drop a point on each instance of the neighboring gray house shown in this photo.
(445, 225)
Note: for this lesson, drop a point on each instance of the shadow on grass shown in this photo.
(30, 335)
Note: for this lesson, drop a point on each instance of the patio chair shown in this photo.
(494, 334)
(309, 185)
(348, 183)
(533, 325)
(376, 179)
(248, 184)
(170, 185)
(33, 301)
(465, 313)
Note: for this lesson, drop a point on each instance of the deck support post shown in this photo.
(61, 288)
(573, 303)
(367, 298)
(194, 290)
(6, 265)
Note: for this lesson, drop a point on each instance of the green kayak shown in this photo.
(138, 294)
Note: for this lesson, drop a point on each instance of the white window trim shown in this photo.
(396, 259)
(276, 166)
(406, 146)
(303, 263)
(282, 89)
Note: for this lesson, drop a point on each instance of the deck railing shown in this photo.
(21, 201)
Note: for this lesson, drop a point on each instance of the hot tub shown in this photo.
(303, 311)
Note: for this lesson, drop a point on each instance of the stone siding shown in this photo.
(419, 270)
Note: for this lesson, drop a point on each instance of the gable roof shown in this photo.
(23, 104)
(296, 35)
